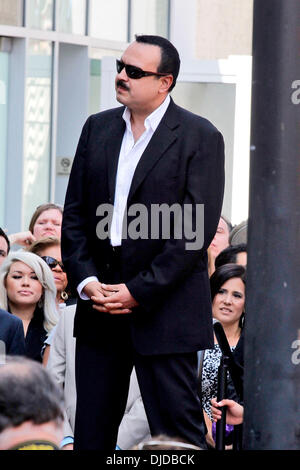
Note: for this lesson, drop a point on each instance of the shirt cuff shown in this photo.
(82, 285)
(66, 440)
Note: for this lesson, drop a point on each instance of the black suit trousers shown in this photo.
(168, 387)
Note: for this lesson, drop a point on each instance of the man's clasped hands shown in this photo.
(110, 298)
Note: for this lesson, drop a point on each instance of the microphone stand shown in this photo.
(222, 384)
(227, 363)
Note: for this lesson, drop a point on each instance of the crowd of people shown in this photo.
(38, 309)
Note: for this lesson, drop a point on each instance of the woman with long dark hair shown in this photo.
(228, 305)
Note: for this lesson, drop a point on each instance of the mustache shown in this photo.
(122, 84)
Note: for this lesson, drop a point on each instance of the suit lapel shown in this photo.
(164, 136)
(113, 147)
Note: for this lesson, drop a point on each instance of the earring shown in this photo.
(64, 295)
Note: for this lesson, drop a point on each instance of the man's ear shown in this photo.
(166, 82)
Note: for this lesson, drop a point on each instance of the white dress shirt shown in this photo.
(129, 157)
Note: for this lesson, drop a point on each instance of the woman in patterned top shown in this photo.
(228, 302)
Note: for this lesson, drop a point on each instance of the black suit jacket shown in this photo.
(12, 333)
(183, 164)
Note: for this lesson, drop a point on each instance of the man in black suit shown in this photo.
(11, 335)
(144, 295)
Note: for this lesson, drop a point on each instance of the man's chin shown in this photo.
(120, 98)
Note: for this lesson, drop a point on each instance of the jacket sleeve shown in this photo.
(57, 357)
(16, 346)
(57, 363)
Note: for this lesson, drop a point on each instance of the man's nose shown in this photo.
(122, 75)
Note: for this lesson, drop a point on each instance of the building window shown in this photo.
(36, 173)
(4, 58)
(71, 16)
(150, 17)
(11, 12)
(108, 19)
(96, 75)
(39, 14)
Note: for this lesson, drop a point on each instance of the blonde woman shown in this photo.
(27, 290)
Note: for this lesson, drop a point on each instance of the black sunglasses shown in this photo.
(52, 262)
(136, 72)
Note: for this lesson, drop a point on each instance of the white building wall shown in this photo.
(216, 84)
(215, 81)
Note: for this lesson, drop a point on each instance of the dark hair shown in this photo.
(170, 60)
(3, 234)
(39, 210)
(229, 254)
(223, 274)
(28, 393)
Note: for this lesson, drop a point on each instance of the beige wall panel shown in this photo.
(223, 28)
(11, 12)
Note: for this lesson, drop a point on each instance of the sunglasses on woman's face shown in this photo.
(135, 72)
(52, 262)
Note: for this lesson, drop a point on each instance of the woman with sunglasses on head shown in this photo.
(45, 222)
(49, 250)
(228, 307)
(27, 290)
